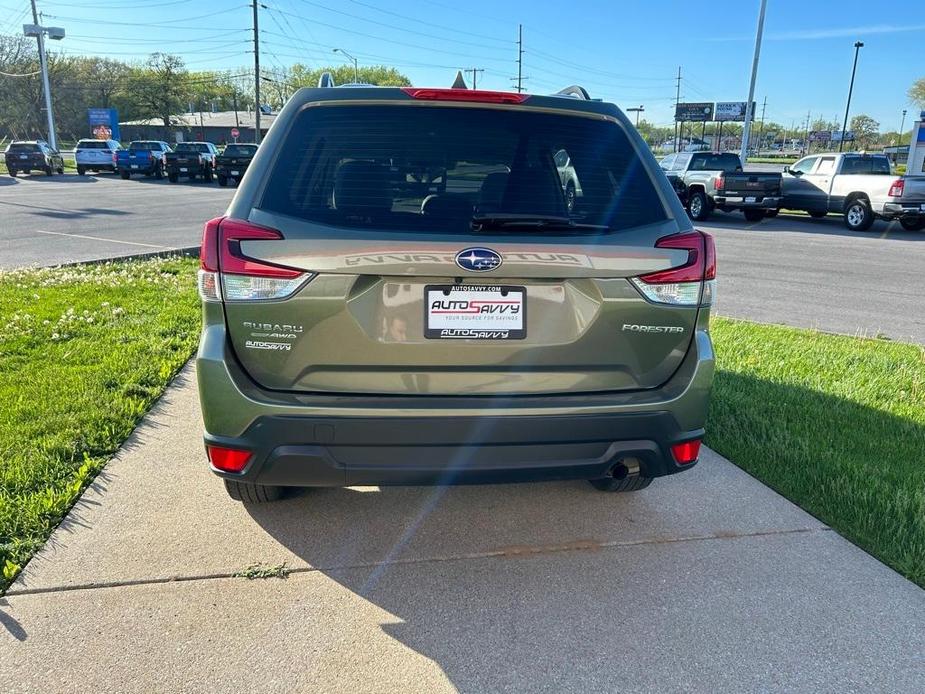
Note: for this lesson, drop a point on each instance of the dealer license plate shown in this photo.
(475, 312)
(183, 169)
(750, 199)
(235, 173)
(134, 166)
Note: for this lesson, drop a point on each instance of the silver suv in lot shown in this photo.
(402, 293)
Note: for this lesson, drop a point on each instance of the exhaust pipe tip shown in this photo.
(625, 468)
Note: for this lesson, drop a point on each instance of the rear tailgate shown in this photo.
(757, 185)
(913, 190)
(401, 296)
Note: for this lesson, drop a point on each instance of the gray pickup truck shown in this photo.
(715, 180)
(861, 187)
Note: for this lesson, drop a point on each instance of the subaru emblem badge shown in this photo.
(478, 259)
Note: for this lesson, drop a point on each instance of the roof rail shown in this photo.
(574, 91)
(326, 80)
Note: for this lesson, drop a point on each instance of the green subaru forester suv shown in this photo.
(410, 288)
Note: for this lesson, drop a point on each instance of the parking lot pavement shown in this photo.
(707, 581)
(62, 219)
(816, 274)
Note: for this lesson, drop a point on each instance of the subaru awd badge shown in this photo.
(478, 259)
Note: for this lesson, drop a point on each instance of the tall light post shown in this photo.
(356, 70)
(56, 34)
(902, 125)
(637, 111)
(858, 45)
(749, 115)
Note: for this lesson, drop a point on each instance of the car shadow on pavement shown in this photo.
(8, 181)
(604, 579)
(69, 177)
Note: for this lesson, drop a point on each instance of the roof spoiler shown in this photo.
(575, 92)
(325, 81)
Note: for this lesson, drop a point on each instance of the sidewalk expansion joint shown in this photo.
(500, 553)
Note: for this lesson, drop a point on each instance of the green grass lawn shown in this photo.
(84, 352)
(836, 424)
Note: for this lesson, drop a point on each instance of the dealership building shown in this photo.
(205, 126)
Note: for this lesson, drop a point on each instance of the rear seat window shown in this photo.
(431, 169)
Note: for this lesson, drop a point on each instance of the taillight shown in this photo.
(228, 459)
(687, 452)
(485, 96)
(227, 272)
(720, 182)
(689, 284)
(896, 190)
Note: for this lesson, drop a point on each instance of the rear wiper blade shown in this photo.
(542, 222)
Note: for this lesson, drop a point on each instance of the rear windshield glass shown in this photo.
(240, 150)
(715, 162)
(92, 144)
(145, 145)
(866, 165)
(191, 147)
(24, 147)
(435, 168)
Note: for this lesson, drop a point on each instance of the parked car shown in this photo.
(96, 155)
(715, 179)
(233, 162)
(861, 187)
(191, 159)
(143, 157)
(25, 156)
(365, 323)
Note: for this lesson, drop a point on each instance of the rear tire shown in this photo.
(61, 170)
(913, 224)
(81, 171)
(771, 213)
(698, 207)
(49, 171)
(627, 484)
(818, 214)
(570, 195)
(12, 173)
(207, 174)
(252, 493)
(858, 215)
(158, 172)
(752, 215)
(222, 181)
(172, 177)
(125, 175)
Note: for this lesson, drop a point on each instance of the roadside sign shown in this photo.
(836, 136)
(695, 112)
(820, 136)
(731, 111)
(235, 132)
(104, 123)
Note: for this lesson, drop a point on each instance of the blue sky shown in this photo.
(626, 52)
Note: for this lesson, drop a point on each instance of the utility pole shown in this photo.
(677, 100)
(474, 71)
(234, 101)
(805, 148)
(858, 45)
(637, 111)
(256, 75)
(520, 57)
(746, 131)
(43, 64)
(901, 126)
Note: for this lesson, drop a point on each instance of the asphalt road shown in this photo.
(791, 270)
(62, 219)
(707, 581)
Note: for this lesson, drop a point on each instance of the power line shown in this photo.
(454, 30)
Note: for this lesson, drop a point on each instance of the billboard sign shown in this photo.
(731, 111)
(820, 136)
(104, 123)
(836, 136)
(698, 113)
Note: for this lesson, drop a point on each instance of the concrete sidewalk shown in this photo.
(707, 581)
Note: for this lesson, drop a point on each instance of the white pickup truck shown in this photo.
(862, 187)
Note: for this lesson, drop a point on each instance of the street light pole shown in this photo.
(858, 45)
(902, 125)
(356, 70)
(746, 131)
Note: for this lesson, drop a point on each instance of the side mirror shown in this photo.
(786, 169)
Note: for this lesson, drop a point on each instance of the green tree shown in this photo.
(917, 92)
(380, 75)
(158, 89)
(866, 131)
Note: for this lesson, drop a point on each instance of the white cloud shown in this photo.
(816, 34)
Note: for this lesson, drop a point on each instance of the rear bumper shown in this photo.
(316, 440)
(185, 169)
(345, 451)
(896, 210)
(226, 170)
(738, 201)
